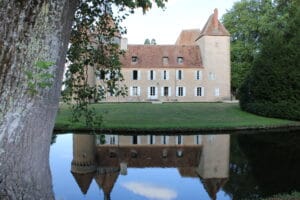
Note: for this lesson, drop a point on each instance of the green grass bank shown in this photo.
(172, 116)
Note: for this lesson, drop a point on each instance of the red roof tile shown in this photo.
(213, 27)
(188, 37)
(151, 56)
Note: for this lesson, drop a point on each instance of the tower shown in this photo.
(83, 164)
(214, 43)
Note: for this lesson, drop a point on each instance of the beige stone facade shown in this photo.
(195, 69)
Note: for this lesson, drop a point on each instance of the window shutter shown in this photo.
(148, 92)
(139, 91)
(162, 74)
(176, 78)
(182, 76)
(184, 92)
(170, 91)
(139, 75)
(200, 75)
(131, 91)
(177, 91)
(202, 91)
(155, 92)
(149, 72)
(154, 75)
(167, 74)
(195, 91)
(162, 91)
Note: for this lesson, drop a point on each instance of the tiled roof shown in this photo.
(151, 56)
(188, 37)
(83, 181)
(213, 27)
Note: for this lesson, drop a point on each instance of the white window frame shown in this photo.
(198, 75)
(138, 139)
(162, 139)
(153, 75)
(133, 93)
(164, 75)
(179, 71)
(198, 139)
(179, 92)
(196, 91)
(217, 92)
(211, 76)
(150, 92)
(162, 93)
(149, 139)
(177, 140)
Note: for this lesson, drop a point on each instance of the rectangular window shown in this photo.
(211, 76)
(198, 75)
(198, 139)
(165, 60)
(179, 139)
(166, 91)
(151, 75)
(152, 91)
(179, 74)
(164, 139)
(134, 75)
(134, 59)
(151, 139)
(180, 91)
(179, 60)
(165, 75)
(217, 92)
(136, 139)
(135, 91)
(199, 91)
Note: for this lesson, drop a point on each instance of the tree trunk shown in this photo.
(30, 31)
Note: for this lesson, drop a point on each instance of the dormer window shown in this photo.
(165, 60)
(134, 59)
(179, 60)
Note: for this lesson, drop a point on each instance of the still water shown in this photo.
(169, 167)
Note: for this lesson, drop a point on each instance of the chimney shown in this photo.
(215, 19)
(124, 44)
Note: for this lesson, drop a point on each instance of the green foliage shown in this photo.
(147, 41)
(94, 51)
(273, 87)
(39, 77)
(248, 22)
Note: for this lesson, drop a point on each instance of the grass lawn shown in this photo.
(171, 116)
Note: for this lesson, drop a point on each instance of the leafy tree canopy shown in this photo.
(94, 47)
(248, 21)
(272, 87)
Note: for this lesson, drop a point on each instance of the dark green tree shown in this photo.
(147, 41)
(247, 22)
(273, 86)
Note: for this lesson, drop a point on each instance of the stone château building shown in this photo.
(195, 69)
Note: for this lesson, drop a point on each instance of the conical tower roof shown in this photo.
(106, 180)
(214, 27)
(83, 181)
(213, 185)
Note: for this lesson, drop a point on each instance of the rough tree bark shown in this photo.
(30, 30)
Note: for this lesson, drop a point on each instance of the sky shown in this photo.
(165, 25)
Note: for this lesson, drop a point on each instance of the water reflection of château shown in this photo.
(104, 157)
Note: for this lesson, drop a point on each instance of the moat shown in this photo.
(169, 167)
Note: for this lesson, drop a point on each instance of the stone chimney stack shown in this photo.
(215, 19)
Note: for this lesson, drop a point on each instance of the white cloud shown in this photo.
(150, 191)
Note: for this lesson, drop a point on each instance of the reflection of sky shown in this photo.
(165, 183)
(150, 191)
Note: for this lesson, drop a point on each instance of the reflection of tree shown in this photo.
(53, 138)
(264, 165)
(241, 182)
